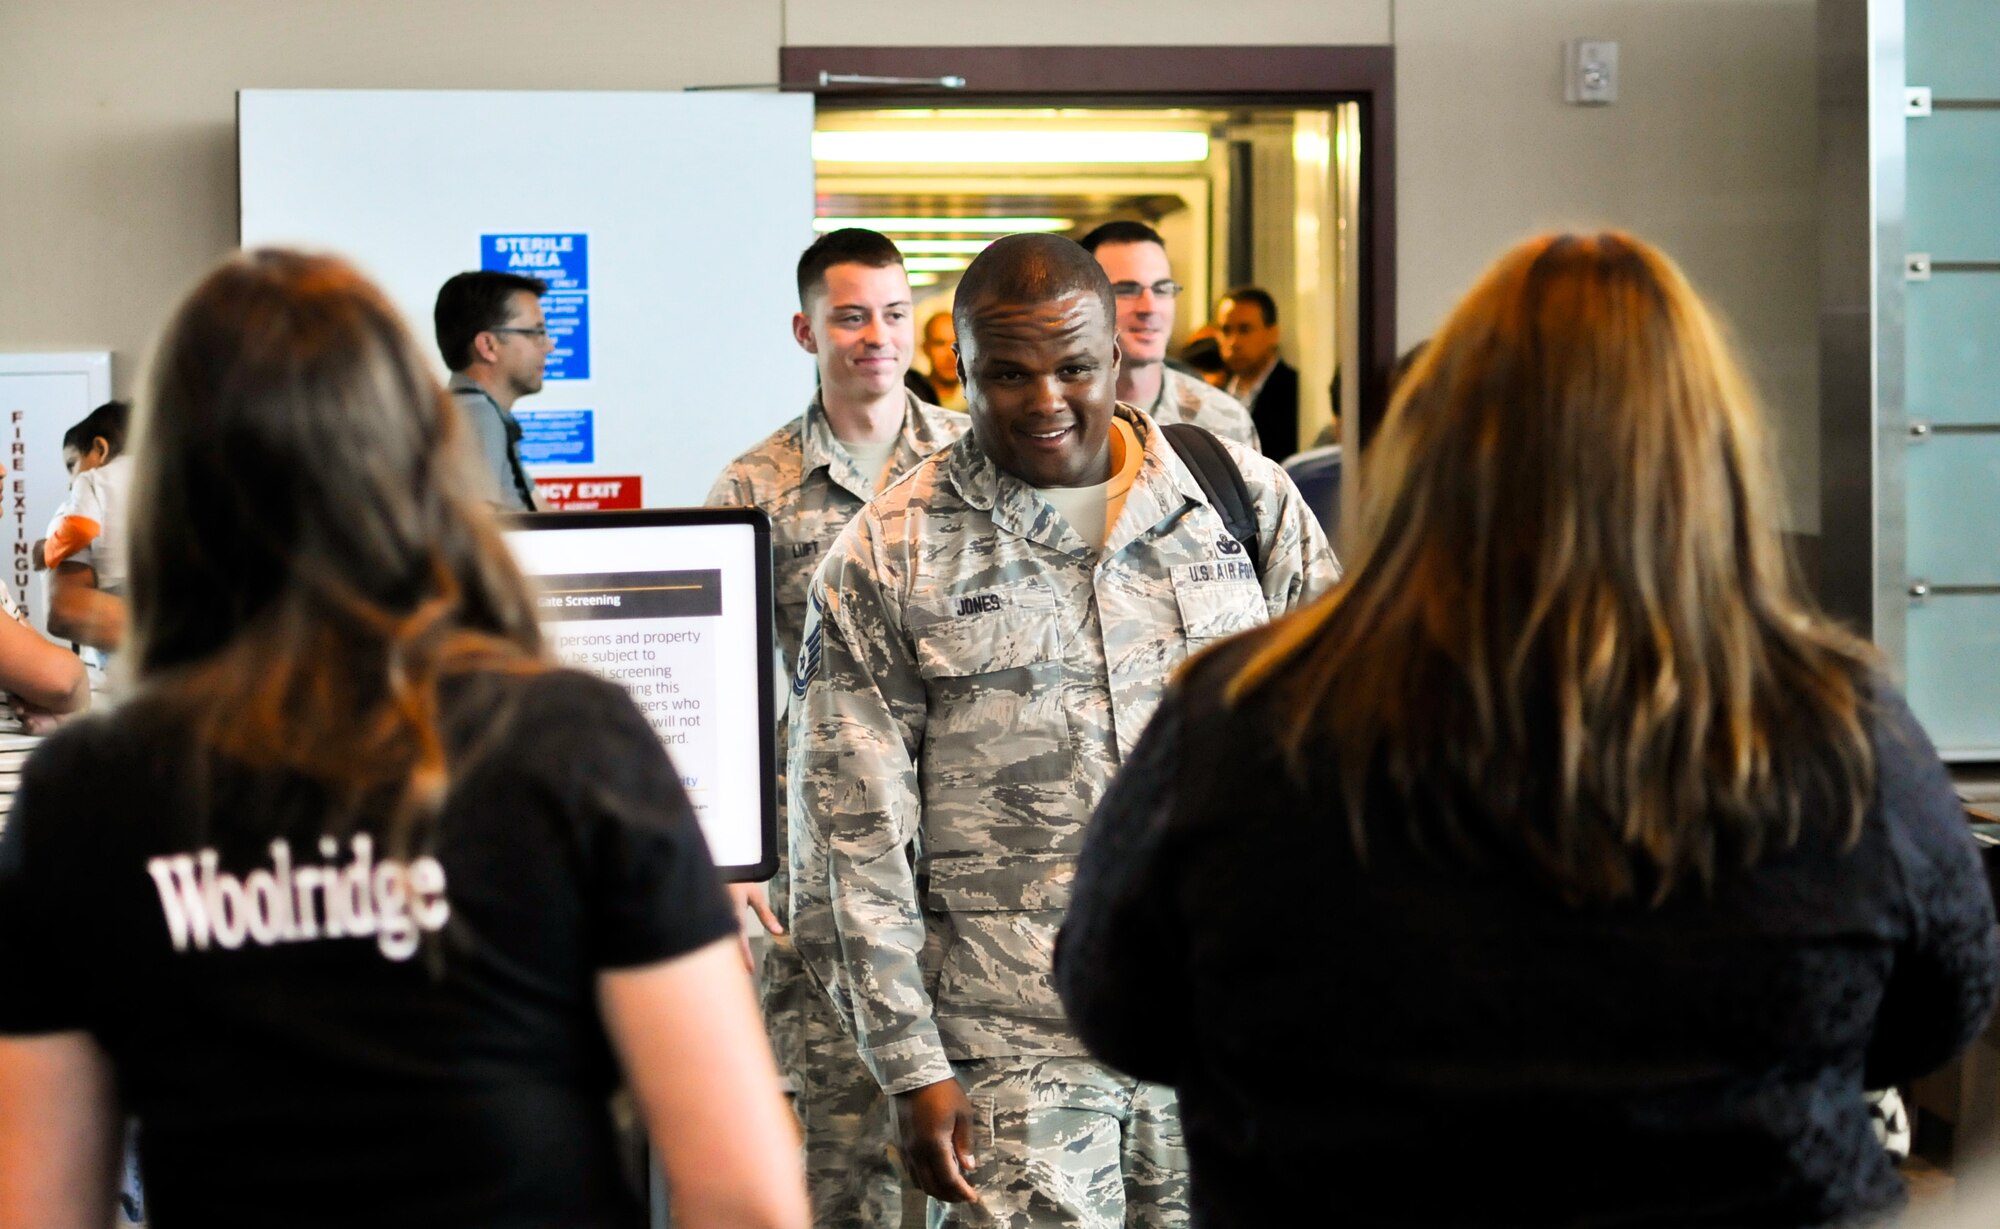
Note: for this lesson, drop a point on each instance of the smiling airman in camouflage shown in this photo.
(811, 476)
(984, 645)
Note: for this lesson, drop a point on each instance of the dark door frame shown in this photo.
(1170, 76)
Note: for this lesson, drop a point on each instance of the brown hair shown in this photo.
(310, 550)
(1570, 617)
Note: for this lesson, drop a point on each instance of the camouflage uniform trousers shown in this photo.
(1069, 1142)
(849, 1125)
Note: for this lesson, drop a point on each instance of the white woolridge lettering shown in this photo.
(393, 901)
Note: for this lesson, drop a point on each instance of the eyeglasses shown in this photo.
(1132, 290)
(537, 334)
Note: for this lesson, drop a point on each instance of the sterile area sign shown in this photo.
(563, 261)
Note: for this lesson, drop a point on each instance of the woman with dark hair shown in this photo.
(1614, 871)
(359, 905)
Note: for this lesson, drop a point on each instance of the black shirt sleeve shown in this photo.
(1120, 960)
(1947, 972)
(42, 849)
(651, 888)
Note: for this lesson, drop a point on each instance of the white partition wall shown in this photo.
(668, 225)
(41, 397)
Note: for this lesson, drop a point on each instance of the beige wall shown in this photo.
(1056, 23)
(118, 121)
(117, 163)
(1710, 152)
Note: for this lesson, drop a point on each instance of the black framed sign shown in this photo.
(675, 605)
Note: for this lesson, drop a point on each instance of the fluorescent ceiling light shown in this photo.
(947, 226)
(1008, 145)
(935, 264)
(944, 247)
(923, 279)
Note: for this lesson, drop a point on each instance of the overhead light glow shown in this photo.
(923, 279)
(933, 145)
(936, 264)
(944, 247)
(947, 226)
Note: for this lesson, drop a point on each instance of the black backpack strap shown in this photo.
(1215, 470)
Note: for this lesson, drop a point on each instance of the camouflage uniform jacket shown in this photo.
(972, 675)
(1185, 399)
(810, 487)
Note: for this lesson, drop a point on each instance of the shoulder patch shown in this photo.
(809, 648)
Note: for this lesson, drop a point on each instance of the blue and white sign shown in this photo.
(558, 437)
(563, 261)
(568, 320)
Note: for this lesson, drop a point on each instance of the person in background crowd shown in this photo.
(39, 681)
(1631, 871)
(917, 386)
(983, 641)
(1317, 470)
(858, 434)
(1134, 257)
(496, 342)
(1202, 355)
(85, 550)
(1258, 377)
(360, 905)
(941, 354)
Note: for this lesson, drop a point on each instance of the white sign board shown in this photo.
(667, 225)
(41, 397)
(676, 607)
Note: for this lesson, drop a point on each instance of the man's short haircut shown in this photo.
(849, 246)
(470, 304)
(1261, 297)
(1029, 269)
(1121, 232)
(109, 422)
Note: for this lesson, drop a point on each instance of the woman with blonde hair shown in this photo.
(1614, 872)
(360, 906)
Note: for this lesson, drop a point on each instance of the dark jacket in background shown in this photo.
(1428, 1042)
(920, 386)
(1275, 410)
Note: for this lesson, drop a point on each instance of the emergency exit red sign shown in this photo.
(580, 494)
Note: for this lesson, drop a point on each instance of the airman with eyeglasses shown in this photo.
(1134, 257)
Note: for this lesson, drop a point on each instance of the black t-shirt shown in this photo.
(314, 1029)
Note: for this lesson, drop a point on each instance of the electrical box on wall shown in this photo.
(1590, 72)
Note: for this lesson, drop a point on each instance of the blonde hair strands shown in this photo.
(1570, 618)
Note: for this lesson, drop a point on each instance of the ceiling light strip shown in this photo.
(947, 226)
(1019, 145)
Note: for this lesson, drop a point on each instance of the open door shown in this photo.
(667, 224)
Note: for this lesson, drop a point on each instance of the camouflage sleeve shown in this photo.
(1298, 561)
(728, 491)
(858, 717)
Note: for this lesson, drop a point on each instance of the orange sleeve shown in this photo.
(71, 534)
